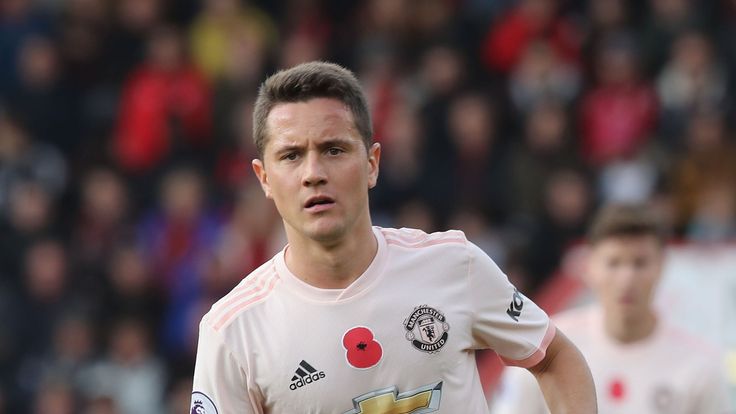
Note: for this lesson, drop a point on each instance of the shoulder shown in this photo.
(417, 239)
(576, 318)
(251, 291)
(688, 343)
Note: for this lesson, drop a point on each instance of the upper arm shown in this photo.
(564, 378)
(220, 380)
(559, 343)
(518, 393)
(504, 319)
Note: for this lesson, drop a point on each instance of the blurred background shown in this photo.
(127, 202)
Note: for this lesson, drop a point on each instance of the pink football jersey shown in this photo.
(670, 372)
(401, 338)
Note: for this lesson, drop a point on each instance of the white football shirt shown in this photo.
(670, 372)
(401, 338)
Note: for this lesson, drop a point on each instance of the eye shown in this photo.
(613, 263)
(290, 156)
(335, 151)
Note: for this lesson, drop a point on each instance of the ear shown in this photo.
(374, 157)
(260, 170)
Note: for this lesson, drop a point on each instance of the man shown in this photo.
(640, 363)
(351, 318)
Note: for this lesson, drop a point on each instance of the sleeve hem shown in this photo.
(538, 355)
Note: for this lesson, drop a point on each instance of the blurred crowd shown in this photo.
(127, 203)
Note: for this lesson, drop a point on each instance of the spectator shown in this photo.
(89, 59)
(665, 21)
(30, 219)
(165, 108)
(402, 165)
(232, 170)
(530, 20)
(252, 235)
(135, 22)
(179, 397)
(605, 17)
(714, 219)
(725, 28)
(477, 174)
(102, 223)
(222, 23)
(710, 161)
(178, 240)
(545, 146)
(620, 111)
(55, 398)
(541, 75)
(42, 96)
(24, 159)
(19, 20)
(70, 359)
(131, 289)
(130, 374)
(101, 405)
(567, 203)
(689, 80)
(47, 293)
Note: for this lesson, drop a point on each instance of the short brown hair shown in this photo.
(625, 220)
(307, 81)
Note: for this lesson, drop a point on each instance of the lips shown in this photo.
(319, 203)
(626, 299)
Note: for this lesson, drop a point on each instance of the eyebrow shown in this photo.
(332, 142)
(336, 142)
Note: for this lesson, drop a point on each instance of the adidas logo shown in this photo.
(305, 374)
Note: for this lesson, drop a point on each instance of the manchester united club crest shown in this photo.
(426, 329)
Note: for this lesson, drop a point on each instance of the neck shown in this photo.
(630, 329)
(333, 265)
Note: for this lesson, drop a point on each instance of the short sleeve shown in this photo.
(504, 319)
(220, 383)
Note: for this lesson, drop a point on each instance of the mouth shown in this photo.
(319, 203)
(626, 300)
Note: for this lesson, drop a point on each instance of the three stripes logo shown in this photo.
(305, 374)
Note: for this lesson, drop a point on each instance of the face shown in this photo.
(316, 169)
(623, 272)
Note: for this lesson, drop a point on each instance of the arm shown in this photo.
(565, 378)
(518, 393)
(522, 335)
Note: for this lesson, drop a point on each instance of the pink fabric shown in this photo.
(538, 355)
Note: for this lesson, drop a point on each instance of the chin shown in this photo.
(326, 233)
(630, 311)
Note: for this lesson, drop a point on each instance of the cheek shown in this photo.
(354, 178)
(649, 282)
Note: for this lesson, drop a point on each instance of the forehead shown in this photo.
(294, 122)
(629, 244)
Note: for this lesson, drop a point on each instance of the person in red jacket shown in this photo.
(530, 21)
(165, 106)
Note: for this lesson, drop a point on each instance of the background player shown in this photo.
(354, 318)
(639, 362)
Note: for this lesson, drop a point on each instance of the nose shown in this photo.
(628, 276)
(314, 172)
